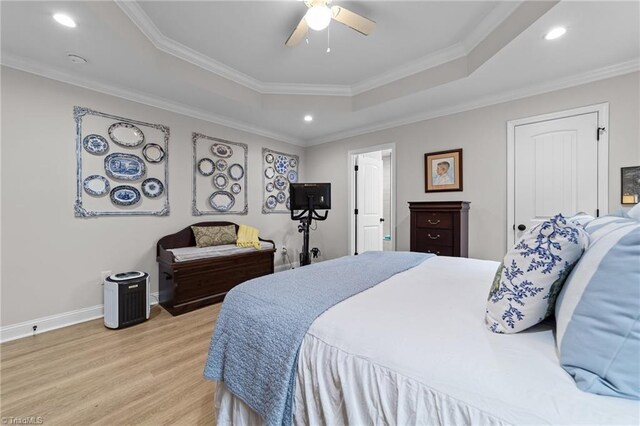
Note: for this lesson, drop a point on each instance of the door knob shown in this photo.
(382, 219)
(521, 227)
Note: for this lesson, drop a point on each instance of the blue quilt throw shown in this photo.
(254, 349)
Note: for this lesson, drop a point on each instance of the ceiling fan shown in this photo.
(319, 16)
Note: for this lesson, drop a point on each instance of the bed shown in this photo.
(414, 350)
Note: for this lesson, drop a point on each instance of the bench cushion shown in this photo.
(193, 253)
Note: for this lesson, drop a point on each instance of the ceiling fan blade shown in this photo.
(353, 20)
(298, 34)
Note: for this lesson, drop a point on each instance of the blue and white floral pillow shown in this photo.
(532, 273)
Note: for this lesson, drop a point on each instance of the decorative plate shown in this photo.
(281, 197)
(222, 201)
(269, 187)
(288, 203)
(280, 182)
(269, 172)
(292, 176)
(293, 162)
(206, 167)
(95, 144)
(269, 158)
(221, 150)
(126, 134)
(271, 202)
(281, 164)
(152, 187)
(236, 188)
(96, 185)
(236, 171)
(153, 153)
(124, 166)
(221, 165)
(124, 195)
(220, 181)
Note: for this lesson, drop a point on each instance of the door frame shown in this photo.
(602, 111)
(351, 161)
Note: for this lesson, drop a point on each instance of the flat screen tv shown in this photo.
(319, 193)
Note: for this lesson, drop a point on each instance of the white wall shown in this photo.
(482, 135)
(51, 261)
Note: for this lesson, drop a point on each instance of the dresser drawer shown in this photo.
(434, 236)
(439, 250)
(434, 220)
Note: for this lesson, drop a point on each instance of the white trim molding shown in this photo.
(602, 111)
(525, 92)
(351, 161)
(54, 322)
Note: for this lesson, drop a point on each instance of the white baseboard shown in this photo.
(53, 322)
(286, 266)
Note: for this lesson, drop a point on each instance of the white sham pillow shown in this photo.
(532, 273)
(634, 213)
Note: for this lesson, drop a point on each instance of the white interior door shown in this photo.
(555, 169)
(370, 203)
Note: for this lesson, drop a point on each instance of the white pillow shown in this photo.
(531, 275)
(634, 213)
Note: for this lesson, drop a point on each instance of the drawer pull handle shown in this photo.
(429, 251)
(432, 237)
(433, 223)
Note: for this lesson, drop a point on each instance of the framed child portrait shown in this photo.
(443, 171)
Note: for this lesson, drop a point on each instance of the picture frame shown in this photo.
(443, 171)
(629, 185)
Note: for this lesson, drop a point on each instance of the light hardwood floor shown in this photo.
(86, 374)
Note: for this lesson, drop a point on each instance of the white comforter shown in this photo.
(414, 350)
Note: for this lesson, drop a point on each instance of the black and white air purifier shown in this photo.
(126, 299)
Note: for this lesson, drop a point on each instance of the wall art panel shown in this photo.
(122, 166)
(219, 176)
(278, 171)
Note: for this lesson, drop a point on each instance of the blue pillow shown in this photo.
(598, 312)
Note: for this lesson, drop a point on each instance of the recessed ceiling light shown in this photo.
(555, 33)
(76, 59)
(308, 118)
(65, 20)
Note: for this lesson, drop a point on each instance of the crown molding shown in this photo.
(43, 70)
(165, 44)
(551, 86)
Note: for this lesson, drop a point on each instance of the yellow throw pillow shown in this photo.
(207, 236)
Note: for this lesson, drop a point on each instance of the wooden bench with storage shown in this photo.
(191, 283)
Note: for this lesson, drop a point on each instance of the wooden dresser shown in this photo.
(440, 227)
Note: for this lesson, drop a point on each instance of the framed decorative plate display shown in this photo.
(126, 134)
(153, 153)
(206, 167)
(96, 185)
(95, 144)
(113, 158)
(122, 166)
(220, 181)
(152, 188)
(229, 182)
(125, 195)
(278, 170)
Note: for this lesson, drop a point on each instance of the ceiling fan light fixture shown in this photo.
(318, 17)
